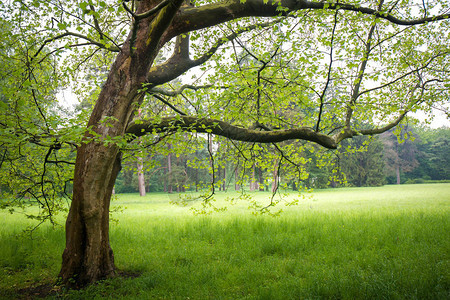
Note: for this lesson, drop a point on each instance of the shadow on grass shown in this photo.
(45, 290)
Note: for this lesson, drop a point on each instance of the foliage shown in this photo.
(363, 163)
(433, 154)
(423, 157)
(35, 140)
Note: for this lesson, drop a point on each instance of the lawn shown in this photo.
(388, 242)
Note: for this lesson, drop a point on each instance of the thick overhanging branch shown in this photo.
(221, 128)
(194, 18)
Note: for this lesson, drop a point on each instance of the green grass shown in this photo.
(388, 242)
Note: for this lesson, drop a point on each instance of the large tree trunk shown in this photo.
(88, 256)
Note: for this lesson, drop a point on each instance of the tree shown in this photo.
(363, 165)
(400, 154)
(434, 155)
(401, 47)
(431, 154)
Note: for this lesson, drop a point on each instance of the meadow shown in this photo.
(389, 242)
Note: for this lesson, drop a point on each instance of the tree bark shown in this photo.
(253, 181)
(261, 184)
(397, 163)
(397, 173)
(88, 256)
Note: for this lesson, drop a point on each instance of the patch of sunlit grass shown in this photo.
(359, 243)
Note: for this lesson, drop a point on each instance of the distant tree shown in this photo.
(363, 162)
(400, 154)
(432, 154)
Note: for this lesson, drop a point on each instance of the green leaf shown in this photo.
(62, 26)
(83, 6)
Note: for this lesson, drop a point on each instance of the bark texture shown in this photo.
(88, 256)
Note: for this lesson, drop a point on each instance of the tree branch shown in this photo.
(178, 91)
(178, 64)
(148, 13)
(194, 18)
(361, 72)
(217, 127)
(404, 75)
(168, 104)
(349, 133)
(96, 24)
(138, 17)
(322, 96)
(78, 35)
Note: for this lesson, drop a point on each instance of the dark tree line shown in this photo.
(420, 155)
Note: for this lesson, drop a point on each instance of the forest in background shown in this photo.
(418, 155)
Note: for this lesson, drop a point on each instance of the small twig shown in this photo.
(168, 104)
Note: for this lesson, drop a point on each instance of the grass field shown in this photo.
(388, 242)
